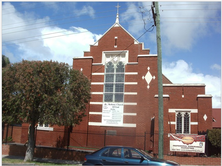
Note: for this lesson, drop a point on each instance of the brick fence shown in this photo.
(78, 155)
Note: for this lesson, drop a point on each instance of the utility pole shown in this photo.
(156, 17)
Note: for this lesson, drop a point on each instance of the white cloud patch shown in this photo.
(71, 44)
(86, 10)
(136, 24)
(182, 23)
(36, 40)
(216, 67)
(181, 72)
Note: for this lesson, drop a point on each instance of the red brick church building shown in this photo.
(123, 109)
(124, 95)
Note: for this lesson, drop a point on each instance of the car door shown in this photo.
(133, 157)
(112, 156)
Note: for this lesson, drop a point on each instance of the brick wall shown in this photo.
(76, 155)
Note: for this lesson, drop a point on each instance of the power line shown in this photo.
(41, 36)
(184, 9)
(178, 20)
(51, 25)
(144, 20)
(49, 22)
(49, 34)
(190, 17)
(44, 5)
(173, 4)
(106, 11)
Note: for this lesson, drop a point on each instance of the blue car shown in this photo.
(120, 155)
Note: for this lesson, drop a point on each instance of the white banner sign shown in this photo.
(187, 143)
(112, 114)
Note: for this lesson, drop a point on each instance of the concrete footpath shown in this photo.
(42, 160)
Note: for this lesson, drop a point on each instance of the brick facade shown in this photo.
(140, 106)
(144, 101)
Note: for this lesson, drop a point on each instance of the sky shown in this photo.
(60, 31)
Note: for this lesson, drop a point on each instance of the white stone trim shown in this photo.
(125, 93)
(164, 95)
(97, 83)
(173, 123)
(193, 84)
(101, 103)
(130, 83)
(102, 83)
(125, 114)
(191, 123)
(131, 73)
(96, 93)
(95, 113)
(118, 52)
(100, 124)
(183, 110)
(204, 95)
(97, 64)
(132, 63)
(126, 73)
(85, 57)
(45, 128)
(130, 93)
(130, 114)
(146, 55)
(97, 74)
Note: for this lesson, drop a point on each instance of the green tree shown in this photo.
(214, 137)
(43, 92)
(5, 61)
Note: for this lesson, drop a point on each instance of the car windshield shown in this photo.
(145, 153)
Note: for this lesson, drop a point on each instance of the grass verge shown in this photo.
(20, 161)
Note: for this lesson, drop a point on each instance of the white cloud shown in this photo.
(136, 24)
(181, 27)
(216, 67)
(65, 48)
(181, 72)
(52, 5)
(86, 10)
(44, 42)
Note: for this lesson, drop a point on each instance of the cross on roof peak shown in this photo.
(117, 15)
(118, 8)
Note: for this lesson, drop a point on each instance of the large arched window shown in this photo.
(114, 82)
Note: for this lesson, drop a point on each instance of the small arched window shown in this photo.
(183, 122)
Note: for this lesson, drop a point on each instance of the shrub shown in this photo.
(214, 137)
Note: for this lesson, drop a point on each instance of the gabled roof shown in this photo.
(116, 24)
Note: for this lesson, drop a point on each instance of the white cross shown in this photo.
(117, 8)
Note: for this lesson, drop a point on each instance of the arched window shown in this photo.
(114, 82)
(179, 123)
(183, 122)
(186, 123)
